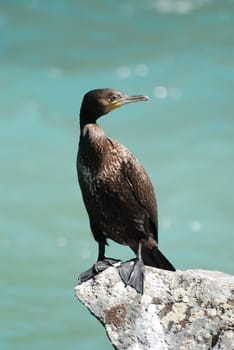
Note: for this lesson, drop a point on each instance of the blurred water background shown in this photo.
(181, 54)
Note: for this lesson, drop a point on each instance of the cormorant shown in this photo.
(117, 192)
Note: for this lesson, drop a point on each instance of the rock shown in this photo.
(184, 310)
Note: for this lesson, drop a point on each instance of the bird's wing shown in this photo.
(142, 189)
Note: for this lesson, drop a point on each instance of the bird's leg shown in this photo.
(132, 272)
(102, 264)
(101, 250)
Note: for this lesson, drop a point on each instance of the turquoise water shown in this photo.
(181, 54)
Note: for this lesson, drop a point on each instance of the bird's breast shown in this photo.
(104, 176)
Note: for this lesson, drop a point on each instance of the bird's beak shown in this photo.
(127, 99)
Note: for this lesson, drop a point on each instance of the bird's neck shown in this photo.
(91, 132)
(92, 146)
(87, 117)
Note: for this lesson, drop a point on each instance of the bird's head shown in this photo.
(99, 102)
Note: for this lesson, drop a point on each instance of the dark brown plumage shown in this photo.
(117, 192)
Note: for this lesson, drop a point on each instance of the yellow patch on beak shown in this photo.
(121, 101)
(116, 104)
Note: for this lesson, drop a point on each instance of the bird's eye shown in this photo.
(113, 97)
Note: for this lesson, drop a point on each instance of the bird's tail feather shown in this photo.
(153, 257)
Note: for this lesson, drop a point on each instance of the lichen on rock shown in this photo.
(184, 310)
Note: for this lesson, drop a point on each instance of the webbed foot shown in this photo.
(132, 274)
(97, 268)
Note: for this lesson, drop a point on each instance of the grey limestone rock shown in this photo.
(184, 310)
